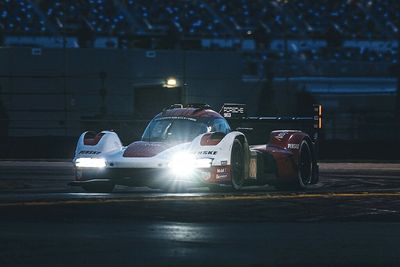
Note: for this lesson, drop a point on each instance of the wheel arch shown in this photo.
(225, 147)
(102, 142)
(291, 141)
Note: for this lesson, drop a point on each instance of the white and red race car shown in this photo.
(195, 146)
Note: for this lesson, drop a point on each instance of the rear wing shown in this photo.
(237, 113)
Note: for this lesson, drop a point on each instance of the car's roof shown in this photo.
(195, 113)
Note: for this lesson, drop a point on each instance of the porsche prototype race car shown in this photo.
(195, 146)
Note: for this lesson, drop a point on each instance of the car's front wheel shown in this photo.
(237, 165)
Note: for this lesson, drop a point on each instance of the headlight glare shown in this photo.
(184, 163)
(203, 163)
(90, 163)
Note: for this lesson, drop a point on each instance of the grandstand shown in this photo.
(317, 30)
(86, 61)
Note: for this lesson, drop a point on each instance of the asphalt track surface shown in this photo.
(351, 218)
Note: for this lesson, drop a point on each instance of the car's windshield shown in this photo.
(173, 130)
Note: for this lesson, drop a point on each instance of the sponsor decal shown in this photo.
(152, 145)
(221, 176)
(207, 152)
(253, 168)
(227, 115)
(221, 173)
(89, 152)
(281, 135)
(293, 146)
(233, 109)
(224, 162)
(221, 170)
(175, 118)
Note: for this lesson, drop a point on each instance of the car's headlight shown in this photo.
(184, 163)
(203, 163)
(90, 163)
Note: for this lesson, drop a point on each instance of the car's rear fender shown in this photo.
(290, 140)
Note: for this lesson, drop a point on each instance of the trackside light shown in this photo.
(318, 116)
(171, 83)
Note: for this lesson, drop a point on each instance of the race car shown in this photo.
(193, 145)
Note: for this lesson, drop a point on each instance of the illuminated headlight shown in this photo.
(203, 163)
(184, 163)
(90, 163)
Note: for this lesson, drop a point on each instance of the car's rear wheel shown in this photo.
(237, 165)
(305, 169)
(99, 187)
(305, 165)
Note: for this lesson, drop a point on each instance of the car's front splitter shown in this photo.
(152, 177)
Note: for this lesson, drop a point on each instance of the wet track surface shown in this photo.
(352, 217)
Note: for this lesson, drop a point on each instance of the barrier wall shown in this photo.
(49, 92)
(49, 96)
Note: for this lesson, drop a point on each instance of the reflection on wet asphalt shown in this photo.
(352, 217)
(346, 191)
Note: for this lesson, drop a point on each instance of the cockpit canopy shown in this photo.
(182, 129)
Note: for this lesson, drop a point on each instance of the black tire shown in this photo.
(306, 170)
(305, 165)
(237, 165)
(99, 187)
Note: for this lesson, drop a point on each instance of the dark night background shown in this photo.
(71, 66)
